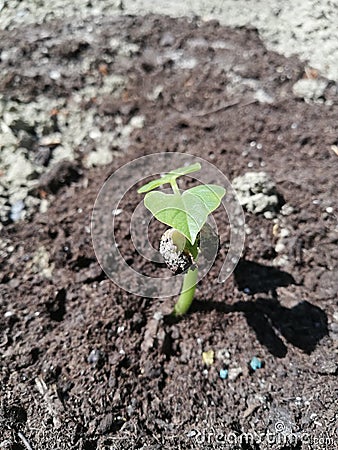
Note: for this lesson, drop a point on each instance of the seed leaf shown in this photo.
(188, 212)
(169, 177)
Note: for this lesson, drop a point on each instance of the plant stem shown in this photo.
(174, 187)
(187, 292)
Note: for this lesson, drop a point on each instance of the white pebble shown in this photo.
(158, 316)
(234, 373)
(279, 247)
(54, 75)
(116, 212)
(284, 232)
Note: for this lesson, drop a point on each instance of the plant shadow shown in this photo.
(303, 325)
(256, 278)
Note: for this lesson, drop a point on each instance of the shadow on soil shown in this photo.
(303, 325)
(257, 278)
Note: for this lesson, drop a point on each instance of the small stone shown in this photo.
(117, 212)
(19, 172)
(309, 89)
(154, 95)
(287, 209)
(95, 134)
(223, 355)
(223, 373)
(257, 193)
(208, 357)
(54, 75)
(280, 247)
(137, 121)
(234, 373)
(17, 210)
(95, 357)
(284, 232)
(255, 363)
(167, 40)
(44, 206)
(158, 316)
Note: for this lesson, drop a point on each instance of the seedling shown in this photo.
(186, 214)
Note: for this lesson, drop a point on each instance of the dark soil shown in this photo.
(85, 365)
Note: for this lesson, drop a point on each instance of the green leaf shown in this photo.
(188, 212)
(169, 177)
(185, 170)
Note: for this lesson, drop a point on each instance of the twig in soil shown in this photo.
(215, 110)
(54, 405)
(24, 440)
(222, 107)
(5, 341)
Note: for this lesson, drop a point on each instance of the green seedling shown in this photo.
(185, 213)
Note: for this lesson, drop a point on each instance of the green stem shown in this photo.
(187, 292)
(174, 186)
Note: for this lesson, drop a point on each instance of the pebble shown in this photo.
(223, 373)
(158, 316)
(95, 357)
(284, 232)
(117, 212)
(17, 210)
(256, 191)
(54, 75)
(255, 363)
(208, 357)
(287, 210)
(309, 89)
(223, 355)
(280, 247)
(234, 373)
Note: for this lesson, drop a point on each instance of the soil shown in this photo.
(85, 365)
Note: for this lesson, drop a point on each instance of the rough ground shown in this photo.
(85, 365)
